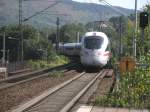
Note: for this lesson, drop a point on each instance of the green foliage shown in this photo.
(60, 59)
(133, 91)
(143, 43)
(144, 59)
(69, 32)
(40, 64)
(36, 43)
(37, 64)
(127, 38)
(128, 32)
(116, 21)
(124, 26)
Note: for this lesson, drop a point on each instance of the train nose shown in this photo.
(94, 58)
(99, 60)
(96, 61)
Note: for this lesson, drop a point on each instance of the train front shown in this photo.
(93, 51)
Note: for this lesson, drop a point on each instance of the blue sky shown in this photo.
(130, 4)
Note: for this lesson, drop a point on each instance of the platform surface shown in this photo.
(104, 109)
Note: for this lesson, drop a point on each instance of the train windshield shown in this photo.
(93, 43)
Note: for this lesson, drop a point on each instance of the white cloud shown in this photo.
(122, 3)
(88, 1)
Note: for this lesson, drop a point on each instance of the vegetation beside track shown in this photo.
(132, 91)
(52, 62)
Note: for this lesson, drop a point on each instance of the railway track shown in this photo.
(22, 78)
(19, 72)
(62, 97)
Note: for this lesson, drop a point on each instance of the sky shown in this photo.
(130, 4)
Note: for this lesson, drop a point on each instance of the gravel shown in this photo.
(11, 97)
(104, 88)
(99, 89)
(2, 76)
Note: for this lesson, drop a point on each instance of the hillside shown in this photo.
(74, 12)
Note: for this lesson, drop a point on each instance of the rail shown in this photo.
(15, 80)
(57, 98)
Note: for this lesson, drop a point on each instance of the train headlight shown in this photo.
(107, 54)
(99, 53)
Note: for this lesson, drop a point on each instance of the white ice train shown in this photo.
(93, 49)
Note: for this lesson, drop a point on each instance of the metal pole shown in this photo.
(142, 42)
(78, 37)
(135, 32)
(4, 47)
(22, 53)
(142, 36)
(120, 31)
(8, 56)
(57, 34)
(20, 12)
(21, 30)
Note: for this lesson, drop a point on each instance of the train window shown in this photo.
(69, 48)
(78, 47)
(93, 43)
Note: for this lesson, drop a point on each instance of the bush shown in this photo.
(39, 64)
(133, 91)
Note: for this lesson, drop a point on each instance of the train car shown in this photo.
(70, 49)
(94, 47)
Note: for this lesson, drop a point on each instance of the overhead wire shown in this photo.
(39, 12)
(120, 12)
(96, 9)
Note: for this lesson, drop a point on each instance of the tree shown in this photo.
(33, 41)
(69, 32)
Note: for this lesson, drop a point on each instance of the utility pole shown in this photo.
(21, 30)
(135, 32)
(4, 48)
(120, 33)
(20, 12)
(57, 34)
(78, 37)
(143, 24)
(7, 56)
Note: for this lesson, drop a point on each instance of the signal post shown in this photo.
(143, 24)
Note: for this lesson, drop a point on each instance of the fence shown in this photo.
(13, 66)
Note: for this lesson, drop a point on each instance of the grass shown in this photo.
(40, 64)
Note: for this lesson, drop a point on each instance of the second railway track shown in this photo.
(18, 79)
(61, 98)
